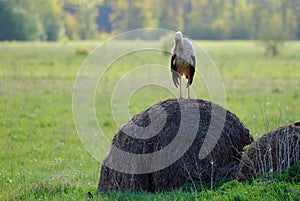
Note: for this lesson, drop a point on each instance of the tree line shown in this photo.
(206, 19)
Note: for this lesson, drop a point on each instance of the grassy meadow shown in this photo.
(42, 157)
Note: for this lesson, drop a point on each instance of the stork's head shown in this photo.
(178, 37)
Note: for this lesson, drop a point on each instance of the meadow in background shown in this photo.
(42, 156)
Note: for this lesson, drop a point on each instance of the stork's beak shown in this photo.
(176, 43)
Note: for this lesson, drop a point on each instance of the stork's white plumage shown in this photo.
(183, 61)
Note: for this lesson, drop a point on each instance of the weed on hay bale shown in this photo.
(272, 153)
(219, 164)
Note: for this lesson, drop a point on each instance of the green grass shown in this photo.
(42, 157)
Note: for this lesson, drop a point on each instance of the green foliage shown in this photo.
(16, 23)
(291, 174)
(71, 26)
(81, 51)
(29, 20)
(47, 20)
(271, 33)
(80, 19)
(206, 19)
(51, 19)
(269, 21)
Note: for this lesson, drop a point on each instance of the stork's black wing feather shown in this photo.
(173, 65)
(174, 70)
(192, 69)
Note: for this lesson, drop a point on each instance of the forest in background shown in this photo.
(51, 20)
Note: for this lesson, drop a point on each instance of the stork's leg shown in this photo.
(180, 86)
(179, 75)
(189, 82)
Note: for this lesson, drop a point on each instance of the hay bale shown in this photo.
(273, 152)
(184, 122)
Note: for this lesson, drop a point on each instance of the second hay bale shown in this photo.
(273, 152)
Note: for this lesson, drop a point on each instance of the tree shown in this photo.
(271, 26)
(71, 26)
(272, 35)
(127, 15)
(30, 20)
(152, 12)
(167, 19)
(241, 27)
(205, 19)
(16, 23)
(50, 13)
(80, 19)
(87, 20)
(103, 22)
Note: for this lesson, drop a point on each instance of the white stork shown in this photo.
(183, 61)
